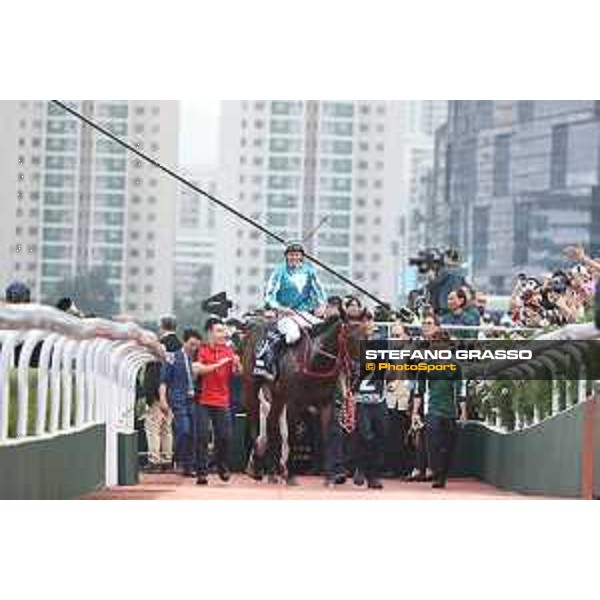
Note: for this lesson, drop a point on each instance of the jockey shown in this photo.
(295, 290)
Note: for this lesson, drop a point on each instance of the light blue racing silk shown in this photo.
(298, 288)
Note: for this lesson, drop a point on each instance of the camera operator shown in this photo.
(443, 273)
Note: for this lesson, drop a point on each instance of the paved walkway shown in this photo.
(174, 487)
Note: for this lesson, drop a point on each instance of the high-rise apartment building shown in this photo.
(326, 172)
(195, 238)
(73, 200)
(420, 119)
(518, 181)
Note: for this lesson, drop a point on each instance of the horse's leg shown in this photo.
(285, 443)
(273, 446)
(290, 426)
(256, 462)
(251, 400)
(326, 419)
(264, 410)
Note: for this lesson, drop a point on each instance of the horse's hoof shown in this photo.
(254, 474)
(292, 482)
(273, 479)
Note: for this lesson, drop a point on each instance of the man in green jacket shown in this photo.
(441, 392)
(461, 312)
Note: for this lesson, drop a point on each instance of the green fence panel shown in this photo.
(128, 458)
(597, 457)
(544, 459)
(64, 466)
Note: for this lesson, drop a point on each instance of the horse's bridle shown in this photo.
(342, 358)
(342, 366)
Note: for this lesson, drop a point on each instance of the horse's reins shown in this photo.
(341, 360)
(342, 365)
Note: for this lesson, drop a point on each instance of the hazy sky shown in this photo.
(199, 132)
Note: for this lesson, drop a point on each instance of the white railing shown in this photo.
(85, 374)
(554, 360)
(482, 330)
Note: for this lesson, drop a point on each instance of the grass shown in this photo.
(13, 404)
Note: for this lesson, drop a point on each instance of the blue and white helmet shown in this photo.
(294, 246)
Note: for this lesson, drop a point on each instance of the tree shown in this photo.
(91, 292)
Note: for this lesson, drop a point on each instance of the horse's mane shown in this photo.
(320, 328)
(256, 320)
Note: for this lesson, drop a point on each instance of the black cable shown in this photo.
(212, 198)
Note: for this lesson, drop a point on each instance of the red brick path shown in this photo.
(174, 487)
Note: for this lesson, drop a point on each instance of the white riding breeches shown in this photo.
(290, 326)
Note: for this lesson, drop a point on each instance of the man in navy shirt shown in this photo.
(371, 421)
(177, 391)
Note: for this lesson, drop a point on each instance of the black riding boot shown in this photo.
(267, 354)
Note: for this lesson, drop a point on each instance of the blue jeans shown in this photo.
(441, 440)
(220, 418)
(183, 429)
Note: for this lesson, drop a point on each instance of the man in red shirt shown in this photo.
(215, 365)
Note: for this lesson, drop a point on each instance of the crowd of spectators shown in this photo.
(414, 438)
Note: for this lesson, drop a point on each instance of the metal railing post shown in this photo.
(68, 366)
(9, 340)
(47, 351)
(31, 340)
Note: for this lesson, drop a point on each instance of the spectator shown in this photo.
(216, 364)
(68, 306)
(178, 390)
(371, 413)
(353, 308)
(333, 308)
(460, 312)
(167, 334)
(430, 329)
(416, 434)
(578, 254)
(443, 390)
(158, 425)
(397, 396)
(481, 302)
(336, 439)
(17, 293)
(158, 418)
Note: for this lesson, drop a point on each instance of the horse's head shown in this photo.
(349, 332)
(326, 334)
(356, 330)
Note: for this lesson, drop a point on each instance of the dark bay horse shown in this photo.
(308, 373)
